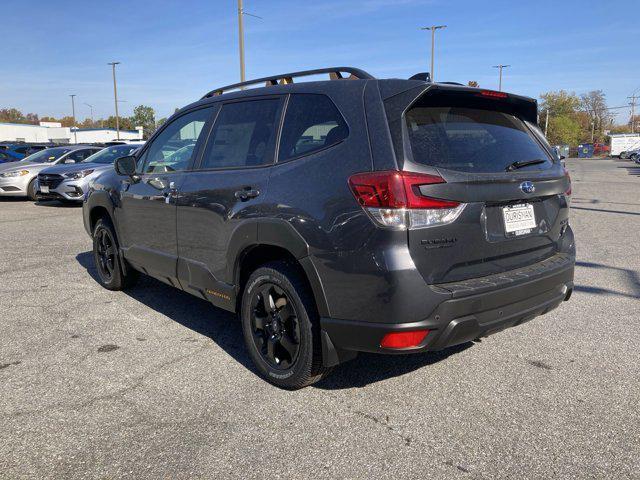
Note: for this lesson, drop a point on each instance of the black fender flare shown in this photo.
(277, 233)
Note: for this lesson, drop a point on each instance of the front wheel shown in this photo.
(31, 190)
(281, 327)
(107, 259)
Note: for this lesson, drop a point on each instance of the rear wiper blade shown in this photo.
(526, 163)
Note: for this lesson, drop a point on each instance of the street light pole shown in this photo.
(115, 97)
(241, 38)
(91, 108)
(433, 29)
(500, 67)
(73, 113)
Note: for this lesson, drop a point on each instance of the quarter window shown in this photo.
(172, 149)
(312, 122)
(244, 135)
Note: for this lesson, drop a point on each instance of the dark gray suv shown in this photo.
(342, 216)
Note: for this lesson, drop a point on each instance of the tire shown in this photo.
(31, 190)
(280, 321)
(107, 259)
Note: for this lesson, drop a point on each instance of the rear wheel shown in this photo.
(107, 259)
(31, 190)
(281, 327)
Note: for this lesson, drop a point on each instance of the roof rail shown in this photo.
(335, 73)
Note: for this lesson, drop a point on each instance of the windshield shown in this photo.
(472, 140)
(47, 155)
(110, 154)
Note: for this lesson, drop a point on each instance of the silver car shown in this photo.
(70, 182)
(18, 179)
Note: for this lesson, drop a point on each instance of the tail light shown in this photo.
(393, 199)
(492, 94)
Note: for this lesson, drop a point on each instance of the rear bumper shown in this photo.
(475, 308)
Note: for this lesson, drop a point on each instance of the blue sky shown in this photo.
(172, 52)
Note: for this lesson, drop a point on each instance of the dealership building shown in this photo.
(54, 132)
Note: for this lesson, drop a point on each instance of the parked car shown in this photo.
(18, 179)
(69, 182)
(21, 150)
(628, 155)
(8, 156)
(337, 217)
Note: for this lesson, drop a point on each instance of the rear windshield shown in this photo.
(472, 140)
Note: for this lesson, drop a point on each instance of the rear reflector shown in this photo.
(403, 339)
(566, 174)
(393, 199)
(493, 94)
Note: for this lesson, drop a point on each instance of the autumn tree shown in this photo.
(146, 118)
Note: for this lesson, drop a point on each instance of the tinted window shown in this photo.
(21, 149)
(172, 149)
(312, 122)
(108, 155)
(79, 155)
(244, 135)
(471, 140)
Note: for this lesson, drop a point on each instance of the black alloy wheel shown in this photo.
(275, 326)
(105, 254)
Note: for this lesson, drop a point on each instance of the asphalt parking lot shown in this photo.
(156, 383)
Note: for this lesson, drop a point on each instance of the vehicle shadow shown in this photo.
(223, 328)
(57, 203)
(13, 199)
(631, 279)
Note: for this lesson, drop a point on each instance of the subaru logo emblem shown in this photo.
(527, 187)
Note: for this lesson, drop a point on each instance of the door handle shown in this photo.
(246, 194)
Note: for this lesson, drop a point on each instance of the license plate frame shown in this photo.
(519, 219)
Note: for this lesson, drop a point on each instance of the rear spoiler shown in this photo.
(438, 94)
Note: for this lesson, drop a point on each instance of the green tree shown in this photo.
(564, 129)
(145, 117)
(559, 103)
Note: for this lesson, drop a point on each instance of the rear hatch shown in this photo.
(512, 190)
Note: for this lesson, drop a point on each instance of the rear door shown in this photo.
(147, 213)
(223, 193)
(497, 165)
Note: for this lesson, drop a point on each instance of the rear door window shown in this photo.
(312, 122)
(472, 140)
(244, 134)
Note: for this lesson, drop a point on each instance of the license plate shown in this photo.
(44, 189)
(519, 219)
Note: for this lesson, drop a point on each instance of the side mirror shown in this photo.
(125, 165)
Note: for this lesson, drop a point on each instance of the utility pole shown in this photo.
(241, 14)
(73, 110)
(115, 97)
(500, 67)
(91, 107)
(546, 123)
(633, 111)
(433, 29)
(241, 38)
